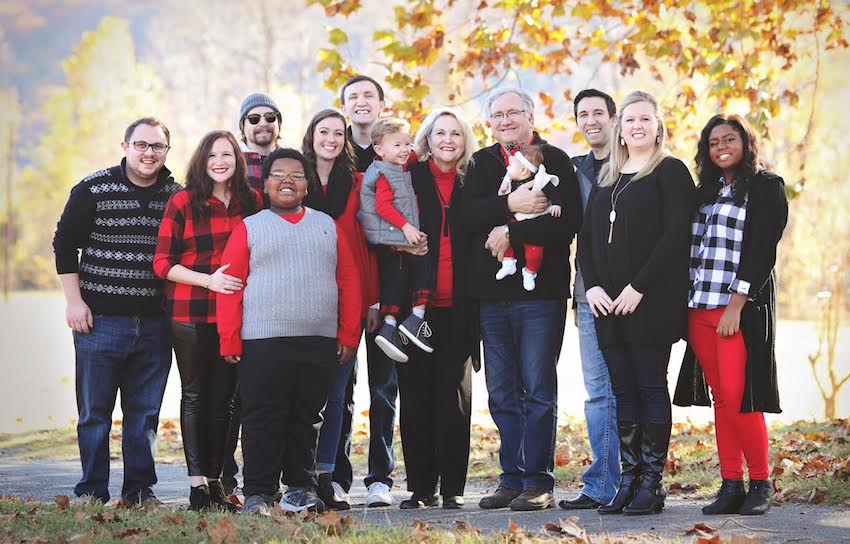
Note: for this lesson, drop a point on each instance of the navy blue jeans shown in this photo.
(522, 340)
(131, 354)
(329, 434)
(383, 392)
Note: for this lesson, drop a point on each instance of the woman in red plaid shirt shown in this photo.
(194, 230)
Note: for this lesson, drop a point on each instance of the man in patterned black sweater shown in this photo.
(115, 308)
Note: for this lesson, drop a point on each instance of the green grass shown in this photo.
(806, 456)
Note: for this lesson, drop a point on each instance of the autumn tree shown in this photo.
(104, 88)
(712, 51)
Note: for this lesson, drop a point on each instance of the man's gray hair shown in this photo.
(498, 92)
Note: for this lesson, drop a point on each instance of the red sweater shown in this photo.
(364, 257)
(445, 184)
(229, 307)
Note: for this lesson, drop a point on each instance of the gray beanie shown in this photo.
(252, 101)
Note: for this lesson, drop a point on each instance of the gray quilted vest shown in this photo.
(378, 231)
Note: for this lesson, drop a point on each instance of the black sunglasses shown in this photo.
(269, 116)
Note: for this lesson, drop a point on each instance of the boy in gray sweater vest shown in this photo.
(389, 215)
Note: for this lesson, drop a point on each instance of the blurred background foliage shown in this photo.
(75, 74)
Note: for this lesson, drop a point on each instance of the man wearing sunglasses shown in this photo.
(259, 124)
(114, 307)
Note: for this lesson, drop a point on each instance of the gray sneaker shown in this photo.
(392, 343)
(257, 505)
(417, 331)
(297, 499)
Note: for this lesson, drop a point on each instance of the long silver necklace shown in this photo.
(614, 197)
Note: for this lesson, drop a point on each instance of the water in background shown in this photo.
(37, 362)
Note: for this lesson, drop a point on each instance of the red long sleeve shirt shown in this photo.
(445, 184)
(229, 307)
(195, 241)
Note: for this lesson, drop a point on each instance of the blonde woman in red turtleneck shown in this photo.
(436, 388)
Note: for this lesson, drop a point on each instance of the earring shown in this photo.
(622, 141)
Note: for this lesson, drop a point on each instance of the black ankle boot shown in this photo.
(655, 441)
(630, 471)
(758, 498)
(218, 499)
(729, 499)
(199, 497)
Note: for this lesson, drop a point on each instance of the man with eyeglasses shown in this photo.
(522, 330)
(260, 124)
(115, 308)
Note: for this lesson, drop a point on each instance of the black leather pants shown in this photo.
(208, 385)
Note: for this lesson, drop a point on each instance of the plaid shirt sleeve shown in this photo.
(169, 243)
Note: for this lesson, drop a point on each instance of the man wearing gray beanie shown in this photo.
(259, 124)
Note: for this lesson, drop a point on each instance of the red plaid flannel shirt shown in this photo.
(255, 169)
(196, 242)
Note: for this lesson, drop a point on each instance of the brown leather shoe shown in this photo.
(533, 499)
(501, 498)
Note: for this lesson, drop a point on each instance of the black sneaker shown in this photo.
(257, 505)
(199, 497)
(326, 493)
(297, 499)
(417, 330)
(391, 343)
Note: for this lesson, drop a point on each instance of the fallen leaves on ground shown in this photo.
(223, 531)
(62, 502)
(568, 528)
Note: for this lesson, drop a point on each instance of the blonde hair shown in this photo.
(385, 126)
(423, 147)
(610, 171)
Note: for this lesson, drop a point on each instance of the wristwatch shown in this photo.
(507, 232)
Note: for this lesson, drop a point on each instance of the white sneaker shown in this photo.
(379, 494)
(339, 493)
(508, 269)
(528, 278)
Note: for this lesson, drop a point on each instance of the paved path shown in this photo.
(42, 480)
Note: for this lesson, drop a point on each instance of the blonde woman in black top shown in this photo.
(633, 253)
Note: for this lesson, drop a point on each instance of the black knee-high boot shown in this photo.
(630, 461)
(650, 495)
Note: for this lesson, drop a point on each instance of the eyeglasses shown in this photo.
(269, 116)
(142, 147)
(513, 115)
(283, 176)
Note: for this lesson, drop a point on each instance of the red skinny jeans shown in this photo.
(723, 361)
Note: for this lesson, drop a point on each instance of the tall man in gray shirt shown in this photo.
(595, 112)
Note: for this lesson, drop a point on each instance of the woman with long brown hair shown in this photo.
(194, 230)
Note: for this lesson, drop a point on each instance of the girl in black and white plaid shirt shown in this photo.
(741, 213)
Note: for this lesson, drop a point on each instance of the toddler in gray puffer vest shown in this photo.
(389, 215)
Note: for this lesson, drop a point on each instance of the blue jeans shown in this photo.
(131, 354)
(383, 392)
(332, 417)
(600, 410)
(521, 346)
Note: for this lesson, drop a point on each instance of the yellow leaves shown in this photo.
(337, 37)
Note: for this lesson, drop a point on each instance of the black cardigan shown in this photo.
(767, 215)
(464, 317)
(649, 251)
(485, 209)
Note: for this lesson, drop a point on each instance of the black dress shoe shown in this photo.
(582, 502)
(453, 503)
(419, 501)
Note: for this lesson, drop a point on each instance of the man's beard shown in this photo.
(263, 138)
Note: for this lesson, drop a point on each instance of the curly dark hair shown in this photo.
(344, 163)
(709, 174)
(199, 184)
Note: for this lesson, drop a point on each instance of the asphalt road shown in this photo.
(42, 480)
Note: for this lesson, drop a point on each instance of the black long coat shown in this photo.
(767, 215)
(465, 329)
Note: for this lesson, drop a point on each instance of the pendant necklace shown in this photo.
(614, 197)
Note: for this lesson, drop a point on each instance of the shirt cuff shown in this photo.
(230, 345)
(740, 286)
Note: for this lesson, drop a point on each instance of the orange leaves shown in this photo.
(62, 502)
(569, 529)
(337, 7)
